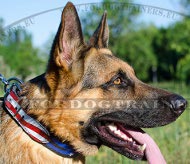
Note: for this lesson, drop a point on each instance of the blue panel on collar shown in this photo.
(60, 148)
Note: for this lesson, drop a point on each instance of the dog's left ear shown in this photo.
(100, 37)
(69, 39)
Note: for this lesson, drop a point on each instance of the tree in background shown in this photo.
(183, 67)
(171, 46)
(20, 55)
(136, 49)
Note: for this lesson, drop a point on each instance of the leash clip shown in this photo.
(7, 82)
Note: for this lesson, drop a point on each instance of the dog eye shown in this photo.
(117, 81)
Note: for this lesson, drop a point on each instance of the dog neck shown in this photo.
(32, 127)
(22, 148)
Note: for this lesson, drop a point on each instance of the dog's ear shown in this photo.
(100, 37)
(69, 39)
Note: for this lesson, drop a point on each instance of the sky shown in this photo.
(44, 25)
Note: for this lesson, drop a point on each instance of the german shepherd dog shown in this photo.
(88, 73)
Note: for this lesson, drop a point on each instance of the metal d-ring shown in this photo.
(8, 82)
(18, 82)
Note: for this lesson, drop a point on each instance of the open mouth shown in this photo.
(118, 137)
(131, 142)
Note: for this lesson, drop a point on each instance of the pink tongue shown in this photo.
(153, 154)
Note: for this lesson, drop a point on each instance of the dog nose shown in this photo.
(178, 104)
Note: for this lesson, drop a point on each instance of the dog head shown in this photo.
(95, 98)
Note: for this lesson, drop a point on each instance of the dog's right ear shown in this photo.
(69, 39)
(100, 37)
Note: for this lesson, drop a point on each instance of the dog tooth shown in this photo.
(119, 133)
(143, 147)
(130, 139)
(124, 137)
(116, 132)
(112, 128)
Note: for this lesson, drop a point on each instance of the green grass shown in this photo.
(173, 139)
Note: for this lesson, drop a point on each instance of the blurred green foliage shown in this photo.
(184, 69)
(18, 54)
(136, 49)
(171, 45)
